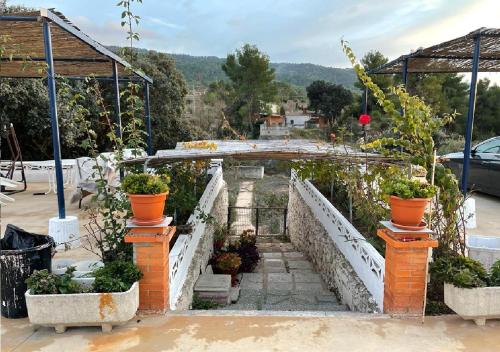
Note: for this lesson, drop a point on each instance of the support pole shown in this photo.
(470, 112)
(116, 86)
(51, 85)
(405, 79)
(365, 101)
(148, 119)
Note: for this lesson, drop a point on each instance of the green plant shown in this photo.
(495, 274)
(228, 262)
(145, 184)
(41, 282)
(203, 304)
(406, 188)
(116, 276)
(459, 271)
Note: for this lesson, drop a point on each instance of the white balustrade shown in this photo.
(182, 253)
(368, 264)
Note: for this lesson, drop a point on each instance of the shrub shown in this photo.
(407, 188)
(495, 274)
(203, 304)
(145, 184)
(228, 262)
(41, 282)
(459, 271)
(248, 251)
(117, 276)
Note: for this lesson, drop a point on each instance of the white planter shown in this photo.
(83, 309)
(478, 304)
(485, 249)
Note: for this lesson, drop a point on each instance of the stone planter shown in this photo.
(83, 309)
(478, 304)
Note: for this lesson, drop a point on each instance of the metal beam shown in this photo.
(365, 101)
(56, 59)
(19, 18)
(116, 86)
(470, 113)
(51, 83)
(148, 118)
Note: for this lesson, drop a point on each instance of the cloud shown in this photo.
(161, 22)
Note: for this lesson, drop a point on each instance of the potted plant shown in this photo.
(147, 194)
(469, 289)
(247, 249)
(228, 263)
(62, 301)
(408, 199)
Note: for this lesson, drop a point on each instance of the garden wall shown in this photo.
(191, 252)
(349, 265)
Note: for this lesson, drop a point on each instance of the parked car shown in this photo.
(484, 172)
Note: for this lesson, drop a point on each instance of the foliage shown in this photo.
(459, 271)
(203, 304)
(145, 184)
(247, 250)
(328, 99)
(41, 282)
(406, 188)
(495, 274)
(227, 262)
(253, 83)
(116, 276)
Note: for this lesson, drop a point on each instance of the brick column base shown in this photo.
(151, 251)
(405, 273)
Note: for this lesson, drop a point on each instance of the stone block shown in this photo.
(299, 264)
(273, 263)
(309, 287)
(273, 278)
(294, 255)
(272, 255)
(307, 277)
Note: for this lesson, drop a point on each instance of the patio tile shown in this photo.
(294, 255)
(309, 287)
(327, 298)
(253, 277)
(278, 277)
(280, 269)
(273, 263)
(280, 286)
(306, 277)
(272, 255)
(299, 264)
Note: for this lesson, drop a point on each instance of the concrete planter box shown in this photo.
(478, 304)
(485, 249)
(83, 309)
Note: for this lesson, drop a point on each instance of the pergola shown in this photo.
(478, 51)
(46, 36)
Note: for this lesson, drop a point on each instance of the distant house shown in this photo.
(317, 122)
(273, 120)
(297, 121)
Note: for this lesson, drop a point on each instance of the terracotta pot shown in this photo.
(408, 212)
(148, 208)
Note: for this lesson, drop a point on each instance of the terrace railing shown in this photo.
(182, 253)
(368, 264)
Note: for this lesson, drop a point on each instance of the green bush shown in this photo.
(117, 276)
(459, 271)
(145, 184)
(407, 188)
(495, 274)
(41, 282)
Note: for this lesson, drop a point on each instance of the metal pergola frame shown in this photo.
(460, 55)
(101, 56)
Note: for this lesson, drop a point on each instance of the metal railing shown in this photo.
(265, 221)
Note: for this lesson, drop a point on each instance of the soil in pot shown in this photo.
(148, 208)
(408, 212)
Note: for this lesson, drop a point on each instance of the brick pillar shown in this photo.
(151, 251)
(405, 272)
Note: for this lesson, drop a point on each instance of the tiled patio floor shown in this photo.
(284, 280)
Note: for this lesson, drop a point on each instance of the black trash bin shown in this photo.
(21, 253)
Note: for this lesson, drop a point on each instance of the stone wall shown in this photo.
(204, 250)
(310, 237)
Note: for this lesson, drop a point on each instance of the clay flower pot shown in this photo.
(408, 212)
(148, 208)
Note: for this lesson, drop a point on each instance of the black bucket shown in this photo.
(18, 263)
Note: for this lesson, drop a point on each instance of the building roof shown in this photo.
(75, 54)
(452, 56)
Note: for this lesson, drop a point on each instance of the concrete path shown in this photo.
(487, 211)
(339, 332)
(243, 217)
(284, 280)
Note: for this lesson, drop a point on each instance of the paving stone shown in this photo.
(253, 277)
(234, 293)
(327, 298)
(309, 287)
(250, 293)
(280, 286)
(272, 255)
(277, 292)
(277, 299)
(295, 255)
(249, 285)
(269, 263)
(306, 277)
(302, 271)
(304, 298)
(273, 278)
(213, 282)
(299, 264)
(251, 299)
(280, 269)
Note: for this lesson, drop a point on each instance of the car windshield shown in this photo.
(492, 146)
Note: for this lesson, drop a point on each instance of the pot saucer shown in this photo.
(147, 222)
(420, 226)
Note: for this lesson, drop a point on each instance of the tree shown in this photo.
(167, 95)
(253, 82)
(328, 99)
(372, 60)
(487, 117)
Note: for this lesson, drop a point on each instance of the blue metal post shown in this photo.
(365, 101)
(116, 86)
(148, 118)
(51, 83)
(405, 79)
(470, 112)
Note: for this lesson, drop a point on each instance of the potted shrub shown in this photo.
(147, 194)
(62, 301)
(468, 288)
(408, 199)
(228, 263)
(247, 250)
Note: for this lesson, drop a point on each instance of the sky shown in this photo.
(287, 30)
